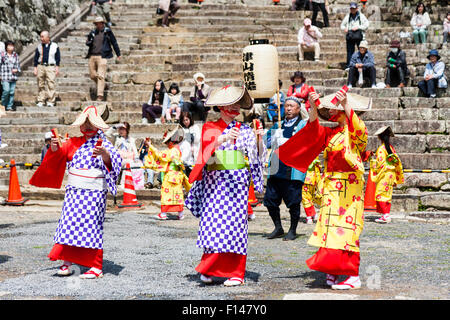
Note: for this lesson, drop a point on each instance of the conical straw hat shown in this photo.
(94, 114)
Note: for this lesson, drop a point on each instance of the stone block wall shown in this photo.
(22, 20)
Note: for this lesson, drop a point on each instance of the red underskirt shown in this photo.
(310, 212)
(222, 265)
(83, 256)
(172, 208)
(335, 261)
(250, 209)
(383, 207)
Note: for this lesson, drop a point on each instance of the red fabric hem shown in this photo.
(383, 207)
(222, 265)
(83, 256)
(172, 208)
(335, 261)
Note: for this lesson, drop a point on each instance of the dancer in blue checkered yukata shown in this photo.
(221, 180)
(93, 168)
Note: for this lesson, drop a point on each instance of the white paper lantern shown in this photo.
(260, 67)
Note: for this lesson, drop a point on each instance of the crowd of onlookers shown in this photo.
(166, 105)
(361, 65)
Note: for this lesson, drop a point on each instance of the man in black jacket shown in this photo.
(396, 67)
(100, 41)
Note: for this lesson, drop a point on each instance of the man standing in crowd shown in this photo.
(284, 182)
(322, 5)
(100, 41)
(103, 9)
(354, 25)
(362, 65)
(46, 68)
(308, 40)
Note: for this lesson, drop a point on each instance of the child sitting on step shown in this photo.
(169, 163)
(174, 102)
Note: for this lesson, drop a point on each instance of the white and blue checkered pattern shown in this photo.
(220, 199)
(83, 213)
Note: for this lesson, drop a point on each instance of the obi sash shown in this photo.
(337, 163)
(91, 179)
(226, 160)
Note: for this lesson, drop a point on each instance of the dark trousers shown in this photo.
(428, 87)
(316, 7)
(197, 107)
(151, 112)
(369, 72)
(290, 191)
(395, 76)
(351, 49)
(173, 8)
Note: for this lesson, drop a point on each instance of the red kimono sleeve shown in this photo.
(210, 132)
(50, 173)
(300, 150)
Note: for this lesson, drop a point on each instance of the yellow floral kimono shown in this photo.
(386, 171)
(341, 218)
(312, 188)
(169, 163)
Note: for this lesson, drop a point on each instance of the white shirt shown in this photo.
(190, 146)
(306, 36)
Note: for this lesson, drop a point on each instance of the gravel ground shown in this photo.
(150, 259)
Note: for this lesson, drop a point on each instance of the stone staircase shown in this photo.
(210, 39)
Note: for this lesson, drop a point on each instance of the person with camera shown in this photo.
(354, 25)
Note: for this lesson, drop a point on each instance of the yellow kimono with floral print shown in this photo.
(169, 162)
(312, 186)
(341, 217)
(385, 174)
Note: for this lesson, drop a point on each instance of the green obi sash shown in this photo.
(226, 160)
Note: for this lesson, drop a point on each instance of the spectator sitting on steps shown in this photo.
(174, 103)
(396, 67)
(99, 42)
(170, 7)
(420, 22)
(153, 110)
(362, 64)
(308, 40)
(198, 95)
(434, 75)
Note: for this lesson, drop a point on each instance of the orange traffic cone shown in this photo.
(129, 194)
(369, 197)
(251, 195)
(14, 196)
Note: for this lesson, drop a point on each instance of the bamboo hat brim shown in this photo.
(229, 95)
(94, 114)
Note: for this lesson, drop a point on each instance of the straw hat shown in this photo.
(383, 129)
(175, 135)
(358, 103)
(94, 114)
(98, 20)
(229, 95)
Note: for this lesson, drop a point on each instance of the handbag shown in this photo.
(354, 35)
(159, 11)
